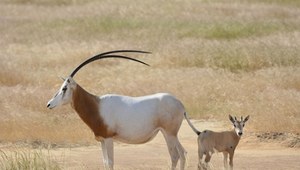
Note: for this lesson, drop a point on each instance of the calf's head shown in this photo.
(238, 125)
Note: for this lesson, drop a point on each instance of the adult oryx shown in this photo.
(133, 120)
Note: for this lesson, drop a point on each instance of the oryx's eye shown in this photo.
(64, 89)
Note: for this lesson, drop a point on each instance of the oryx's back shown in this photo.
(145, 106)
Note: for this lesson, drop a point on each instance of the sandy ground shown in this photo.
(250, 154)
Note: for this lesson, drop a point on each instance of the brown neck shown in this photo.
(88, 108)
(235, 136)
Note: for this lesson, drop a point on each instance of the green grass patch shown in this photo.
(94, 27)
(85, 29)
(228, 30)
(238, 30)
(254, 58)
(240, 55)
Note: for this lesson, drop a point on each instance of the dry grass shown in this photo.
(27, 160)
(238, 57)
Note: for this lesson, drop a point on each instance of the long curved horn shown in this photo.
(105, 55)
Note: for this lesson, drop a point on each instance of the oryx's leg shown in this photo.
(108, 153)
(225, 161)
(182, 153)
(172, 150)
(200, 156)
(231, 159)
(104, 153)
(176, 150)
(207, 159)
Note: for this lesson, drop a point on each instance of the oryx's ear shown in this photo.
(231, 119)
(246, 119)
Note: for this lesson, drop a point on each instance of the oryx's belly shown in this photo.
(136, 138)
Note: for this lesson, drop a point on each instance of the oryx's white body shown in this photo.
(138, 119)
(133, 120)
(225, 141)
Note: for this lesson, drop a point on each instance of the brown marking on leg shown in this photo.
(207, 157)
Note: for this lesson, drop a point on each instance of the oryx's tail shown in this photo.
(191, 125)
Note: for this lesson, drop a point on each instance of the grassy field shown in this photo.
(219, 57)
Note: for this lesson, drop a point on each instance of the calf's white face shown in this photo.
(238, 125)
(64, 94)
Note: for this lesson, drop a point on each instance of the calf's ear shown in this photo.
(231, 119)
(246, 119)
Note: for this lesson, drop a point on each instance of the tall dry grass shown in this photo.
(27, 160)
(218, 57)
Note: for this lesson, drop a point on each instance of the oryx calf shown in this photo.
(226, 142)
(133, 120)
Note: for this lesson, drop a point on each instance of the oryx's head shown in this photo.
(238, 125)
(64, 94)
